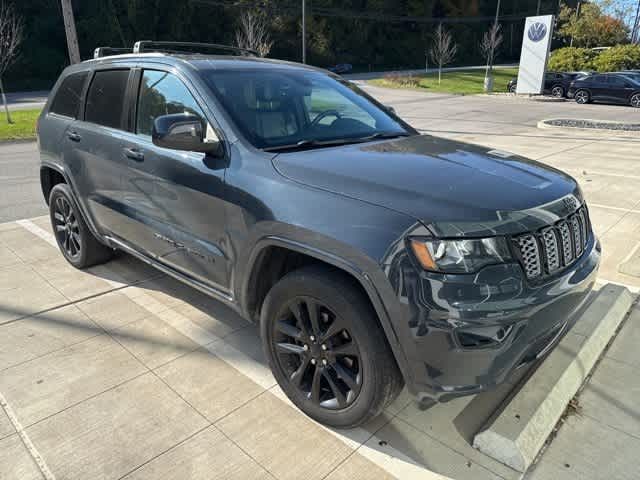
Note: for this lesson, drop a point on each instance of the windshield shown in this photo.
(278, 108)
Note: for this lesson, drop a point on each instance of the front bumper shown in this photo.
(441, 311)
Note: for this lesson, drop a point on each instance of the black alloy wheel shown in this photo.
(635, 100)
(557, 91)
(76, 242)
(66, 228)
(318, 353)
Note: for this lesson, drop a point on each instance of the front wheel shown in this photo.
(635, 100)
(582, 97)
(326, 348)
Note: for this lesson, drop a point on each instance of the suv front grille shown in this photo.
(555, 247)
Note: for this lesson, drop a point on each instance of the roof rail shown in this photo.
(191, 47)
(106, 51)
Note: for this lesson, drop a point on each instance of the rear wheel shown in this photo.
(557, 91)
(635, 100)
(513, 88)
(76, 242)
(582, 97)
(326, 348)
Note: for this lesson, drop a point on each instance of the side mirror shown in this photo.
(390, 109)
(183, 131)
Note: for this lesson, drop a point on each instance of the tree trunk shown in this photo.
(4, 102)
(439, 74)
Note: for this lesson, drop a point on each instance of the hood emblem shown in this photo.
(537, 31)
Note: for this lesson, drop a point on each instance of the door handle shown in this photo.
(134, 154)
(74, 136)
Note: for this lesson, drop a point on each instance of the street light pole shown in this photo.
(304, 31)
(70, 30)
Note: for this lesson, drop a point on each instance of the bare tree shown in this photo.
(491, 41)
(253, 33)
(10, 37)
(443, 49)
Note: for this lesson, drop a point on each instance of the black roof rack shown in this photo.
(187, 47)
(106, 51)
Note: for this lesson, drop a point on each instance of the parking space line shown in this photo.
(31, 449)
(388, 458)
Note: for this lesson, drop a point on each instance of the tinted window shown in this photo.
(617, 81)
(105, 99)
(162, 93)
(600, 79)
(67, 99)
(284, 107)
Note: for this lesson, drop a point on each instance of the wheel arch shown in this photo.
(254, 291)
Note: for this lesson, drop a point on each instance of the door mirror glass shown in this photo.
(184, 131)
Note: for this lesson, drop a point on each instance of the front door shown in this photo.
(174, 198)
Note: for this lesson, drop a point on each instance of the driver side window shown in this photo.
(162, 93)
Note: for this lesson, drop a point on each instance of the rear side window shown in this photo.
(105, 100)
(67, 99)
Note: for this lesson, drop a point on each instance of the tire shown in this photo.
(634, 101)
(582, 97)
(76, 242)
(557, 91)
(513, 88)
(346, 324)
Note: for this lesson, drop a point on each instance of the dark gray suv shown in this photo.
(371, 256)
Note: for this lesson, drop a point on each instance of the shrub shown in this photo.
(571, 59)
(620, 57)
(400, 80)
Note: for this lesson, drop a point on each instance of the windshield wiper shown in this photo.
(308, 144)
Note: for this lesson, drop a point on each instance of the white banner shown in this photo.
(535, 53)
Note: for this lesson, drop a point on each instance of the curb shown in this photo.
(622, 133)
(517, 434)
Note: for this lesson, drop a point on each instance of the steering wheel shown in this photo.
(326, 113)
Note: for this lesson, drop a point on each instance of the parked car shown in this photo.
(341, 68)
(607, 88)
(555, 83)
(370, 255)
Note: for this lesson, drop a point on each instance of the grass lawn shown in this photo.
(465, 82)
(23, 126)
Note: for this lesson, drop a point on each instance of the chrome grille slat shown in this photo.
(530, 255)
(550, 244)
(555, 247)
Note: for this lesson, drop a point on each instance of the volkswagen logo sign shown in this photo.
(537, 31)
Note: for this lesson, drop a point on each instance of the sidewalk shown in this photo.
(602, 439)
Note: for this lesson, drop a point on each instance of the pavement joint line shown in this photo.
(629, 255)
(393, 461)
(31, 449)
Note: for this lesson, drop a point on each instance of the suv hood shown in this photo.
(454, 188)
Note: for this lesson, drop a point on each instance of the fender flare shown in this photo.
(340, 263)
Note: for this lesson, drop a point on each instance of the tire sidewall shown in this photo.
(63, 190)
(355, 313)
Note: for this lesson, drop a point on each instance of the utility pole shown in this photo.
(70, 30)
(577, 16)
(635, 34)
(304, 31)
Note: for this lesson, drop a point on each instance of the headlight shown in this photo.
(460, 256)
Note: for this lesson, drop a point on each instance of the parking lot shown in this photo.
(121, 372)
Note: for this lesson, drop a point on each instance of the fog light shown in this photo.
(483, 337)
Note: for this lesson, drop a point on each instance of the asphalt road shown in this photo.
(20, 194)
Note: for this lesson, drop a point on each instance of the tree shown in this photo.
(491, 41)
(10, 37)
(253, 33)
(590, 27)
(443, 49)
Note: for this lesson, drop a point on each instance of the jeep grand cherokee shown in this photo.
(371, 256)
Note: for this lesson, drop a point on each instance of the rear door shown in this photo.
(174, 198)
(599, 87)
(93, 148)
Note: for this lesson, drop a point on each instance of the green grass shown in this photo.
(23, 126)
(466, 82)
